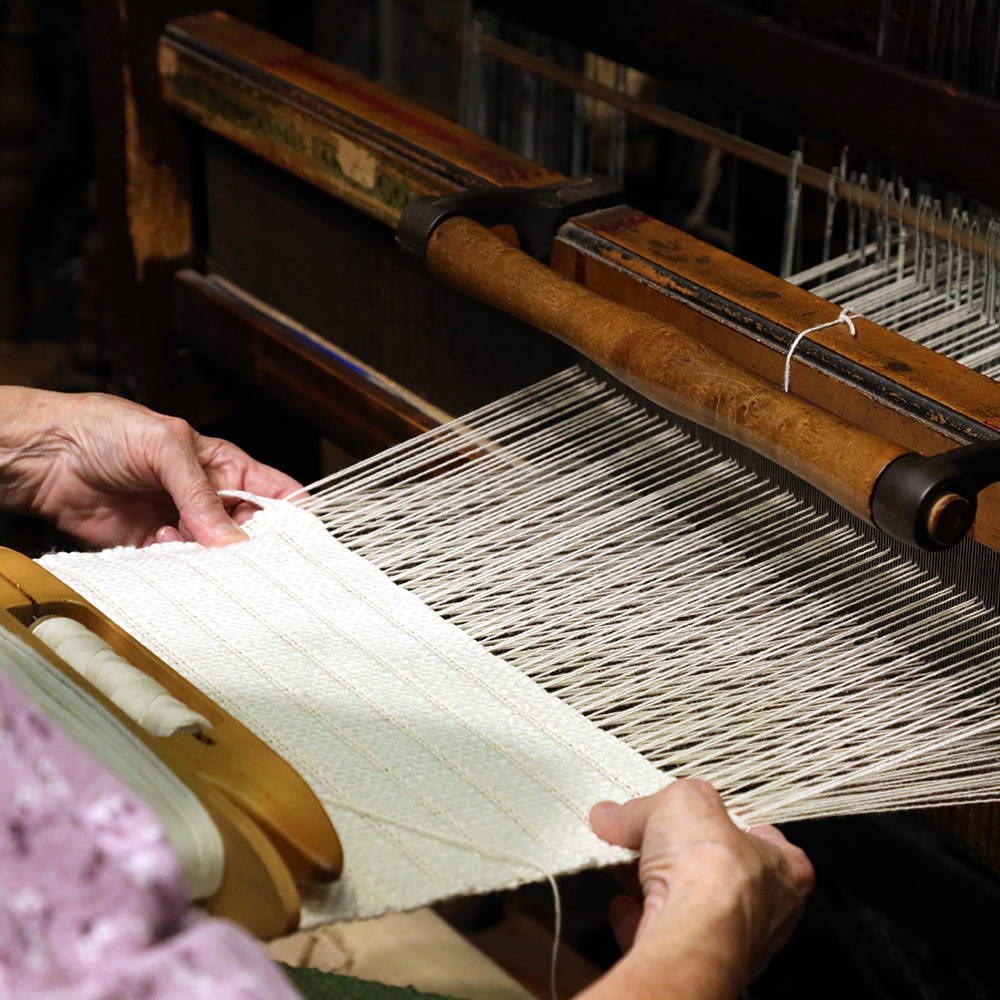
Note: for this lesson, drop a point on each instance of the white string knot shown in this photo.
(846, 316)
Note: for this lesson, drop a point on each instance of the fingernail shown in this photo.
(602, 810)
(228, 535)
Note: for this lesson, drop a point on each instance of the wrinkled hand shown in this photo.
(717, 903)
(110, 472)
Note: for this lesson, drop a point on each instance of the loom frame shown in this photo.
(157, 277)
(286, 106)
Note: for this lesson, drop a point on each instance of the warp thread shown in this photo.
(846, 316)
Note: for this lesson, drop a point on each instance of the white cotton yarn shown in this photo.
(140, 697)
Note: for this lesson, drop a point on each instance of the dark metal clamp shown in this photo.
(536, 213)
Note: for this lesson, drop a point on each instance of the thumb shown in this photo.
(197, 503)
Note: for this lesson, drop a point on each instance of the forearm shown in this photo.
(30, 441)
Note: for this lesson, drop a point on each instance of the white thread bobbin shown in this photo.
(187, 826)
(141, 698)
(846, 316)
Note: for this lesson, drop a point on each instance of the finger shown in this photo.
(605, 822)
(240, 511)
(197, 503)
(230, 468)
(167, 534)
(243, 512)
(624, 914)
(268, 482)
(654, 896)
(771, 833)
(685, 809)
(799, 866)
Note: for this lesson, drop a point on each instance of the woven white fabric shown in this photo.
(396, 718)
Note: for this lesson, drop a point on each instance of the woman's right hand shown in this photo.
(716, 904)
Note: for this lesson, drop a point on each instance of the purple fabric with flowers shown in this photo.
(92, 905)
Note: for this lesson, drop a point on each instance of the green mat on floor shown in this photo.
(316, 985)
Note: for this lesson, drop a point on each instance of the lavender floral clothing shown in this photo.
(92, 905)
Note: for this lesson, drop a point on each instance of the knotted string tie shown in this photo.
(846, 316)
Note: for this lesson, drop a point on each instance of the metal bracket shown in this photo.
(931, 501)
(535, 213)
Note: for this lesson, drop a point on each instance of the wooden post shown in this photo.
(144, 203)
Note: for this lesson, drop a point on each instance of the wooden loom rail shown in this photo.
(353, 139)
(666, 365)
(345, 135)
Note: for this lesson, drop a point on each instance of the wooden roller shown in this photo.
(682, 374)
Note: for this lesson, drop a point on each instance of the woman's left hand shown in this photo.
(110, 472)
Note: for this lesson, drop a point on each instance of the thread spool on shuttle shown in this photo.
(187, 825)
(140, 697)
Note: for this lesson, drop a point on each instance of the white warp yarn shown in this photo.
(400, 722)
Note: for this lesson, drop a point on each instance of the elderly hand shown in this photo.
(717, 903)
(110, 472)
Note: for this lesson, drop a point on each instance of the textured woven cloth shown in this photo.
(444, 769)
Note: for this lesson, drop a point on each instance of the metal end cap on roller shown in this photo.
(923, 502)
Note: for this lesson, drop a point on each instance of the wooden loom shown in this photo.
(275, 104)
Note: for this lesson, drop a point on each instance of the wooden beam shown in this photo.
(359, 408)
(332, 128)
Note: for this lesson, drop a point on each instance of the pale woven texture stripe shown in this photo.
(380, 704)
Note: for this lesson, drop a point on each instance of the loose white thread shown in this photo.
(846, 316)
(483, 852)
